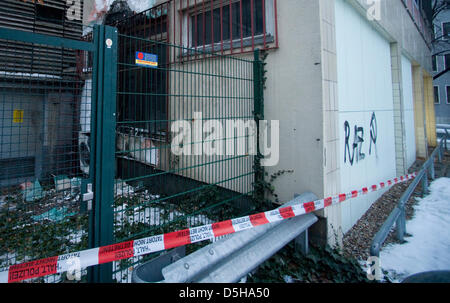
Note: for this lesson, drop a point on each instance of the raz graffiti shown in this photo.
(355, 153)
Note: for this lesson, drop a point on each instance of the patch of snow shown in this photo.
(442, 125)
(429, 247)
(288, 279)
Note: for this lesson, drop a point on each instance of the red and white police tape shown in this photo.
(134, 248)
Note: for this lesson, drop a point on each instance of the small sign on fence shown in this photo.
(146, 60)
(18, 116)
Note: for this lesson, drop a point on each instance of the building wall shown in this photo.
(19, 139)
(396, 25)
(397, 29)
(419, 112)
(336, 66)
(294, 96)
(443, 108)
(364, 90)
(430, 115)
(408, 111)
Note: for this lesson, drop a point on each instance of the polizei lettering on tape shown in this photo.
(32, 269)
(106, 254)
(115, 252)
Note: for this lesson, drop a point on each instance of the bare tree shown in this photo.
(441, 40)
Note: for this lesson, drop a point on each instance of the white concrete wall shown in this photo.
(293, 95)
(408, 111)
(364, 88)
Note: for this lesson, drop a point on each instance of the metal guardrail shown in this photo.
(446, 129)
(230, 259)
(398, 215)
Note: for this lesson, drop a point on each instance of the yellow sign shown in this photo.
(18, 116)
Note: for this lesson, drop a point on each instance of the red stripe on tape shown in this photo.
(309, 207)
(286, 212)
(259, 219)
(223, 228)
(33, 269)
(177, 239)
(115, 252)
(49, 266)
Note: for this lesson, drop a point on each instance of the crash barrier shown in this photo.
(443, 130)
(398, 215)
(232, 258)
(76, 261)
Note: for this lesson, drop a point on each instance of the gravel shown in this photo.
(357, 241)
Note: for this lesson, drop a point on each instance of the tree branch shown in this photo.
(441, 73)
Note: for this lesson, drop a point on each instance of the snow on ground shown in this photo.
(429, 247)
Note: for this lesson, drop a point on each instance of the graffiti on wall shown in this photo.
(354, 153)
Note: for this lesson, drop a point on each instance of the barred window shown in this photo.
(229, 24)
(219, 26)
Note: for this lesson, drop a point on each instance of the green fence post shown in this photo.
(92, 145)
(259, 115)
(104, 168)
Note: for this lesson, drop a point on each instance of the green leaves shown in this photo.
(322, 265)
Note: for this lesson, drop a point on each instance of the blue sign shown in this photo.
(146, 60)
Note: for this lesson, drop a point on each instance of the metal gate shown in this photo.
(106, 122)
(43, 127)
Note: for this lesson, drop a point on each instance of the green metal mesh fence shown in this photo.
(158, 190)
(46, 106)
(44, 133)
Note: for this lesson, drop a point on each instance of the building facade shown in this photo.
(349, 81)
(441, 62)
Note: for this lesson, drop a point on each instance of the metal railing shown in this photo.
(233, 257)
(398, 215)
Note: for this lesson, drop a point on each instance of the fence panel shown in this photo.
(63, 107)
(44, 147)
(158, 189)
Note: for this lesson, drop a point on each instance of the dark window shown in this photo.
(434, 60)
(49, 14)
(446, 30)
(202, 24)
(447, 61)
(448, 94)
(436, 95)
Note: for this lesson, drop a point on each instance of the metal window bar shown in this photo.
(234, 26)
